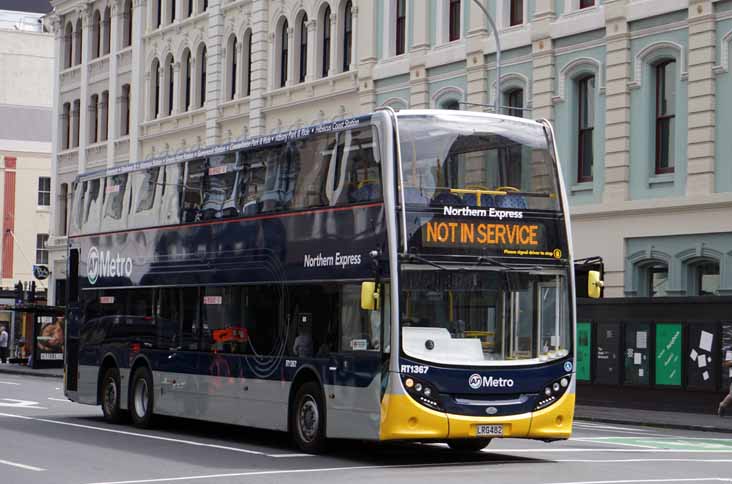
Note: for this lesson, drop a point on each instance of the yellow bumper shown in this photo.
(402, 418)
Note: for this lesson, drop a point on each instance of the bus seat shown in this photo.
(511, 201)
(447, 198)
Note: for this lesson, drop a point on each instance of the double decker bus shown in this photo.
(395, 276)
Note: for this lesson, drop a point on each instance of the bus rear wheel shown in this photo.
(110, 396)
(307, 419)
(142, 397)
(468, 445)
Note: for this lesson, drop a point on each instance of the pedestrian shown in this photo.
(724, 404)
(3, 345)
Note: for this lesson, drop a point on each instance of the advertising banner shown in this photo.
(48, 341)
(668, 354)
(584, 342)
(701, 361)
(637, 362)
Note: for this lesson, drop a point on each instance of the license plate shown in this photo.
(490, 430)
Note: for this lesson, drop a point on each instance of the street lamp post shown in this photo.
(498, 53)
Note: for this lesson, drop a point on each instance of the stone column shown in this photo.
(335, 39)
(86, 45)
(214, 77)
(291, 45)
(419, 95)
(312, 64)
(161, 91)
(138, 84)
(55, 229)
(354, 37)
(176, 88)
(543, 61)
(115, 41)
(701, 98)
(260, 65)
(617, 96)
(366, 41)
(476, 66)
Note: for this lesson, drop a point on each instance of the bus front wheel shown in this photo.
(308, 419)
(141, 397)
(110, 396)
(468, 445)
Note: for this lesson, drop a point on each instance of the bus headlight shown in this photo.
(423, 392)
(553, 392)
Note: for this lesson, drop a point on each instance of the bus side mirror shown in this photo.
(369, 296)
(594, 285)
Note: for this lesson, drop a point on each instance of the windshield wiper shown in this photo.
(413, 257)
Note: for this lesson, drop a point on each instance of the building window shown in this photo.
(451, 104)
(127, 24)
(516, 16)
(283, 53)
(248, 62)
(586, 3)
(158, 13)
(94, 121)
(104, 116)
(172, 10)
(97, 33)
(232, 67)
(125, 124)
(586, 125)
(347, 36)
(189, 9)
(707, 279)
(326, 42)
(515, 103)
(657, 280)
(68, 45)
(155, 73)
(169, 95)
(66, 126)
(76, 115)
(41, 248)
(665, 116)
(63, 198)
(401, 26)
(44, 191)
(202, 92)
(78, 42)
(187, 79)
(454, 20)
(106, 31)
(303, 48)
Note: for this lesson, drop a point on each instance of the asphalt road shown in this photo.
(46, 439)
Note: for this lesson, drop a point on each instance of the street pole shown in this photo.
(498, 53)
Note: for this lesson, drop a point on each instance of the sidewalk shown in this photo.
(14, 369)
(652, 418)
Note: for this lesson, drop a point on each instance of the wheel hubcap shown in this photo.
(141, 398)
(110, 396)
(308, 419)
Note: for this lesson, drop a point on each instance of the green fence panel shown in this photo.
(584, 341)
(668, 354)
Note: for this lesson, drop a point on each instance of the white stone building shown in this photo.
(650, 188)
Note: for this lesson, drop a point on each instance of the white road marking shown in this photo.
(603, 450)
(152, 437)
(637, 481)
(65, 400)
(609, 427)
(21, 466)
(9, 383)
(627, 432)
(617, 461)
(20, 404)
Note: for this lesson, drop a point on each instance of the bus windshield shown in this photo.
(484, 317)
(458, 159)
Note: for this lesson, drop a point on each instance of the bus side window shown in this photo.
(282, 168)
(188, 298)
(360, 329)
(92, 204)
(147, 195)
(253, 176)
(171, 188)
(356, 175)
(116, 200)
(193, 191)
(219, 196)
(313, 155)
(167, 318)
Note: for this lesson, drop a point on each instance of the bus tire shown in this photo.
(142, 397)
(468, 445)
(110, 397)
(307, 419)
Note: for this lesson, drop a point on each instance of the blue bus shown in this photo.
(394, 276)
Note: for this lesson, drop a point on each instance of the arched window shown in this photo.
(66, 127)
(202, 77)
(170, 78)
(158, 13)
(127, 24)
(106, 31)
(189, 8)
(68, 45)
(232, 55)
(347, 36)
(76, 117)
(171, 17)
(515, 102)
(78, 42)
(96, 34)
(326, 42)
(283, 53)
(187, 79)
(654, 278)
(155, 89)
(104, 116)
(125, 111)
(303, 68)
(585, 128)
(516, 15)
(706, 278)
(452, 104)
(247, 62)
(94, 119)
(665, 116)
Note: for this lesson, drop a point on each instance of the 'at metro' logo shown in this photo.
(476, 381)
(102, 264)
